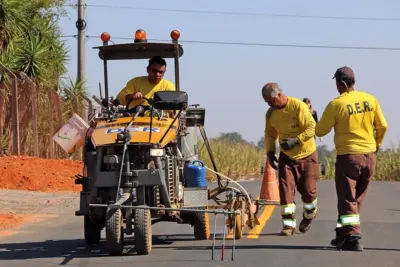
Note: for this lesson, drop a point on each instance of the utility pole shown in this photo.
(81, 26)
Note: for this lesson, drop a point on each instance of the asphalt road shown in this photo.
(58, 241)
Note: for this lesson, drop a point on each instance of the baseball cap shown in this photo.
(344, 74)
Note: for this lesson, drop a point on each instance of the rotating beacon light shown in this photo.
(175, 34)
(140, 36)
(105, 37)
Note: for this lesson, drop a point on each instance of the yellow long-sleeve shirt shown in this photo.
(294, 120)
(142, 84)
(354, 116)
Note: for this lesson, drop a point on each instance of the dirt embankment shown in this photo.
(46, 176)
(37, 174)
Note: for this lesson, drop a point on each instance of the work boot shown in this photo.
(288, 231)
(351, 243)
(305, 224)
(337, 241)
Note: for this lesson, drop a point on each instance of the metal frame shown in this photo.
(228, 207)
(215, 212)
(139, 50)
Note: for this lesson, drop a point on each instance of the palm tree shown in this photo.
(12, 22)
(31, 43)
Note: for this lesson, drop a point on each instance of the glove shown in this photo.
(289, 143)
(273, 161)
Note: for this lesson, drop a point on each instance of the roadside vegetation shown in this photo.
(238, 158)
(34, 55)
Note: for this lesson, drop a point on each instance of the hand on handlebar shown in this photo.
(137, 95)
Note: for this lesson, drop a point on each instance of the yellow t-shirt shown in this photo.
(354, 117)
(142, 84)
(294, 120)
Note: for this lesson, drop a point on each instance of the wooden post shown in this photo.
(2, 117)
(15, 111)
(34, 116)
(51, 131)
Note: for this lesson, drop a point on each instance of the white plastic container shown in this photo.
(71, 135)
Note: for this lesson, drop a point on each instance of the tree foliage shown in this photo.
(31, 47)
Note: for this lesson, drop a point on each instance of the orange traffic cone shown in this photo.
(269, 187)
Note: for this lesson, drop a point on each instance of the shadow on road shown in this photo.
(76, 248)
(280, 247)
(169, 239)
(67, 249)
(73, 249)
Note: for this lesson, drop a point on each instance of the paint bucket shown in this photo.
(71, 136)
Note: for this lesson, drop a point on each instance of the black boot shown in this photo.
(337, 240)
(351, 243)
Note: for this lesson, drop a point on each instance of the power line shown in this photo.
(242, 13)
(257, 44)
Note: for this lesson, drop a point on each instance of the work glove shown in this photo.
(273, 161)
(289, 143)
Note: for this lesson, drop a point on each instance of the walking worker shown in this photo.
(313, 111)
(355, 116)
(290, 120)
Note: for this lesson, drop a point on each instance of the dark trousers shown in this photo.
(303, 174)
(353, 175)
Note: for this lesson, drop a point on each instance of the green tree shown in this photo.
(233, 137)
(261, 143)
(30, 44)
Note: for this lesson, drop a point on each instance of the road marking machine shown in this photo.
(141, 164)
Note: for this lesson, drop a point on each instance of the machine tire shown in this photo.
(201, 226)
(114, 232)
(239, 227)
(143, 231)
(92, 231)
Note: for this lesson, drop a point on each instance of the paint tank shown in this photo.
(195, 174)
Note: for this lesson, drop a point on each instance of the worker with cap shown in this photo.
(360, 127)
(290, 120)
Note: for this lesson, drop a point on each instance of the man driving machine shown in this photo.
(146, 86)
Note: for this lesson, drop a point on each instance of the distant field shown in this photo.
(235, 160)
(387, 167)
(238, 160)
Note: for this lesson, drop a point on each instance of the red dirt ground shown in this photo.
(9, 221)
(38, 174)
(35, 174)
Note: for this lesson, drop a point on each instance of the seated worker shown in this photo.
(146, 86)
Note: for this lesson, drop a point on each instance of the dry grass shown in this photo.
(238, 160)
(387, 167)
(235, 160)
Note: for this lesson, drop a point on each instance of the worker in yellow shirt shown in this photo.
(290, 120)
(146, 86)
(360, 127)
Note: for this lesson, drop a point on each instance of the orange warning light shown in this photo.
(105, 37)
(140, 36)
(175, 34)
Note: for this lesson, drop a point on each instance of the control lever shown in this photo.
(96, 99)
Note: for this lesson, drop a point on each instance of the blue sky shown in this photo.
(227, 79)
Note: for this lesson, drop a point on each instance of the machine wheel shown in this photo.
(114, 232)
(239, 228)
(143, 233)
(92, 231)
(201, 226)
